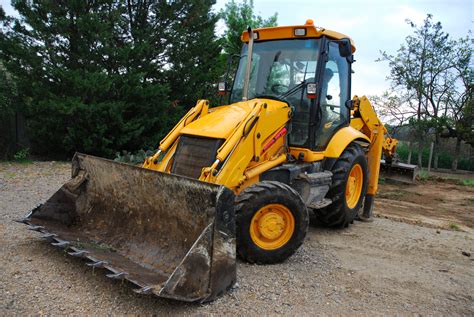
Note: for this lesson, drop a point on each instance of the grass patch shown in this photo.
(423, 175)
(22, 156)
(382, 180)
(391, 195)
(467, 182)
(454, 227)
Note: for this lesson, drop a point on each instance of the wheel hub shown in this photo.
(354, 184)
(272, 226)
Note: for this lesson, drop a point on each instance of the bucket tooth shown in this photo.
(117, 276)
(49, 236)
(23, 220)
(35, 228)
(79, 254)
(97, 264)
(61, 244)
(144, 290)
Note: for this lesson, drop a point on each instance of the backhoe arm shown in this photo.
(389, 148)
(365, 120)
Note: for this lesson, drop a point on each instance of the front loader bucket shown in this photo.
(400, 172)
(169, 235)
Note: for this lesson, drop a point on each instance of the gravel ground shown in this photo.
(385, 267)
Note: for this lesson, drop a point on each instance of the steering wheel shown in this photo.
(279, 88)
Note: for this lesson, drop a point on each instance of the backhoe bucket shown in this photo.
(400, 172)
(169, 235)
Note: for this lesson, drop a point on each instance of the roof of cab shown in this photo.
(288, 32)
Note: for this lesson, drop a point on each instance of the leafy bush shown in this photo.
(445, 158)
(133, 158)
(98, 128)
(466, 163)
(423, 175)
(22, 156)
(8, 96)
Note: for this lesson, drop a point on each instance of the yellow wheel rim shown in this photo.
(354, 186)
(272, 226)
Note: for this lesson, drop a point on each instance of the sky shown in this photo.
(373, 25)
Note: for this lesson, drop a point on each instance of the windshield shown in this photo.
(279, 68)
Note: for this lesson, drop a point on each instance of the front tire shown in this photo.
(272, 221)
(348, 189)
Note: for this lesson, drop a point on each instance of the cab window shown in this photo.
(333, 112)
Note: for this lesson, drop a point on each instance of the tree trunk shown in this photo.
(430, 156)
(454, 165)
(22, 140)
(409, 153)
(436, 152)
(420, 154)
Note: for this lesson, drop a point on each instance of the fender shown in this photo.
(342, 139)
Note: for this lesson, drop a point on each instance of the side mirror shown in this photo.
(311, 90)
(345, 49)
(222, 88)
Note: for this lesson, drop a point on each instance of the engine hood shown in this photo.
(221, 121)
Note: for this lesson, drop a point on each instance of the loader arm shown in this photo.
(244, 139)
(200, 109)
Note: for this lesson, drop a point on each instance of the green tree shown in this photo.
(8, 102)
(237, 18)
(423, 70)
(194, 56)
(460, 118)
(98, 76)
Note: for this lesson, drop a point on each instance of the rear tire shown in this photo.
(272, 221)
(350, 172)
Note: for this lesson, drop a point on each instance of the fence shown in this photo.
(408, 152)
(13, 136)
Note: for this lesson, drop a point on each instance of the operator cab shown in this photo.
(310, 72)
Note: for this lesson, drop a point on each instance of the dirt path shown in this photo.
(432, 204)
(387, 267)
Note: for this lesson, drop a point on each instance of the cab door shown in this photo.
(332, 112)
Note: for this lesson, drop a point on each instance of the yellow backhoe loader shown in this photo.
(234, 179)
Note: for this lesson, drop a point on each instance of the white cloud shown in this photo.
(344, 25)
(369, 78)
(220, 27)
(402, 13)
(6, 5)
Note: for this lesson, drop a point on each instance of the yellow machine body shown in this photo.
(248, 126)
(241, 152)
(226, 179)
